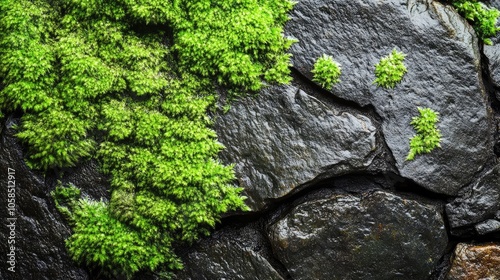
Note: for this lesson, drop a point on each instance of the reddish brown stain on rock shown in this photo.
(474, 262)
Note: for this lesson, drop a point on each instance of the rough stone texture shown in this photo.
(493, 53)
(376, 236)
(478, 202)
(235, 255)
(488, 226)
(40, 231)
(284, 138)
(474, 262)
(444, 74)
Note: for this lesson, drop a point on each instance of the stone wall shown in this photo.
(330, 191)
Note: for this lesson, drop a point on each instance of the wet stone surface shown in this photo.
(477, 202)
(238, 254)
(444, 74)
(377, 235)
(40, 230)
(284, 138)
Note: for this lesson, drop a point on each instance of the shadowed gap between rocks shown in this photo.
(304, 83)
(344, 184)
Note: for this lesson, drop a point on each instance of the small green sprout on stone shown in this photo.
(390, 69)
(428, 136)
(326, 71)
(482, 18)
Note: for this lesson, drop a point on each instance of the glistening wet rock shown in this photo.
(238, 254)
(39, 229)
(477, 202)
(444, 74)
(377, 235)
(474, 262)
(284, 138)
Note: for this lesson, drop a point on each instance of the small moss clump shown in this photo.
(64, 198)
(326, 71)
(482, 18)
(428, 136)
(390, 70)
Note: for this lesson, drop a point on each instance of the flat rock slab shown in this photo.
(477, 203)
(374, 236)
(444, 74)
(284, 138)
(474, 262)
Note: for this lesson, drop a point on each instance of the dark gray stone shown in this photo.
(478, 202)
(374, 236)
(284, 138)
(493, 53)
(39, 229)
(488, 226)
(232, 254)
(444, 74)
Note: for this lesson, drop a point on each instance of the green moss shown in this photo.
(237, 42)
(64, 197)
(390, 70)
(129, 83)
(326, 71)
(102, 241)
(428, 136)
(482, 18)
(55, 138)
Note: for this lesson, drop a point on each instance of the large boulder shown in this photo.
(284, 138)
(444, 74)
(377, 235)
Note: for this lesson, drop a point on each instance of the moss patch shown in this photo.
(129, 83)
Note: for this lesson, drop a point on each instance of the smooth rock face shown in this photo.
(444, 74)
(39, 229)
(478, 203)
(237, 257)
(284, 138)
(376, 236)
(474, 262)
